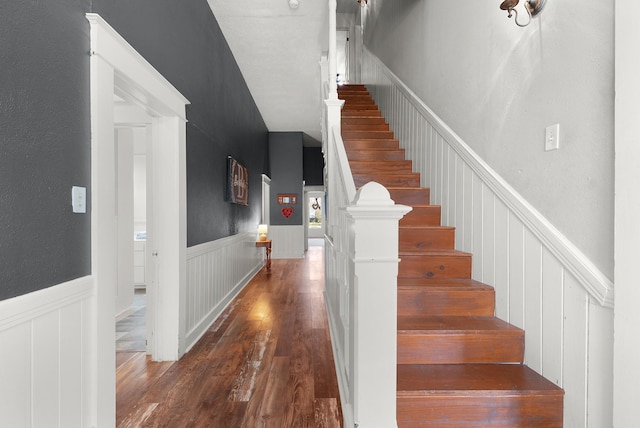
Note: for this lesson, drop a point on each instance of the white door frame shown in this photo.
(116, 67)
(626, 351)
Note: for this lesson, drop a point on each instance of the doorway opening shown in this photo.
(133, 310)
(342, 54)
(115, 67)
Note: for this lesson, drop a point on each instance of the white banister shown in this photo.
(361, 269)
(373, 267)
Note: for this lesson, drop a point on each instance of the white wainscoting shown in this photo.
(288, 242)
(543, 283)
(216, 272)
(45, 351)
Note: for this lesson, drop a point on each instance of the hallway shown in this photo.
(266, 362)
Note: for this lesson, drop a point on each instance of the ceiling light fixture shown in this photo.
(533, 7)
(293, 4)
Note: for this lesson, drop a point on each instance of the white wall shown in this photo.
(498, 86)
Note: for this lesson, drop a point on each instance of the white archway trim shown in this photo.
(115, 67)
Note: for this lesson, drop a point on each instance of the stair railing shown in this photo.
(361, 269)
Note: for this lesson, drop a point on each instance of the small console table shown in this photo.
(267, 248)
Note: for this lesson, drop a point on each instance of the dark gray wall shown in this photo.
(45, 127)
(285, 154)
(183, 41)
(44, 143)
(313, 166)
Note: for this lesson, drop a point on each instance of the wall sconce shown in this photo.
(293, 4)
(263, 229)
(533, 8)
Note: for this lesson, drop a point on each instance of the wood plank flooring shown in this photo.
(266, 362)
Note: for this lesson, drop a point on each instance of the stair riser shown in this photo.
(413, 239)
(415, 197)
(402, 166)
(375, 155)
(359, 107)
(439, 347)
(434, 266)
(365, 127)
(367, 135)
(363, 121)
(421, 216)
(356, 99)
(456, 410)
(356, 144)
(360, 113)
(443, 302)
(411, 179)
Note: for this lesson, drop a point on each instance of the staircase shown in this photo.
(458, 365)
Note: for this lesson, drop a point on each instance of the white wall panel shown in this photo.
(45, 357)
(576, 335)
(543, 283)
(552, 317)
(216, 272)
(288, 242)
(501, 259)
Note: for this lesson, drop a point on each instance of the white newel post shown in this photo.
(373, 253)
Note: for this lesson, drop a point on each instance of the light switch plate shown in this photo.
(552, 138)
(79, 199)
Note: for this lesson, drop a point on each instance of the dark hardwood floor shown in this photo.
(266, 362)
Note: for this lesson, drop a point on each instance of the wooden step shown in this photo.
(435, 264)
(345, 121)
(375, 155)
(365, 127)
(363, 144)
(426, 339)
(400, 166)
(476, 395)
(421, 215)
(356, 98)
(445, 297)
(410, 196)
(361, 113)
(425, 238)
(411, 179)
(352, 87)
(358, 107)
(367, 135)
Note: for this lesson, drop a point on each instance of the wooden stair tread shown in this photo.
(415, 324)
(427, 227)
(436, 252)
(491, 379)
(361, 113)
(442, 283)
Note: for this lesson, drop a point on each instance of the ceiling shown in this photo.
(278, 50)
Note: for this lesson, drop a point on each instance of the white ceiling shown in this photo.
(278, 50)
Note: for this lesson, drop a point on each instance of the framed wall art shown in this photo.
(237, 183)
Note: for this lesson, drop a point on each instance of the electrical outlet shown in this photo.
(552, 137)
